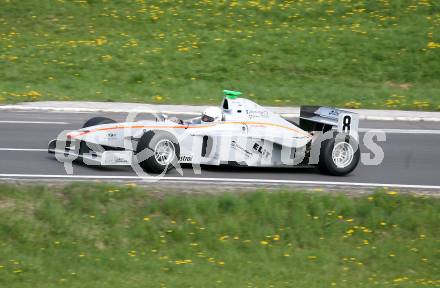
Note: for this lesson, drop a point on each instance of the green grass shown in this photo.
(370, 54)
(103, 236)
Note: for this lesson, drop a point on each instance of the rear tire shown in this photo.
(339, 156)
(162, 150)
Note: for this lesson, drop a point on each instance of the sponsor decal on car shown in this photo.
(252, 114)
(185, 158)
(260, 149)
(236, 146)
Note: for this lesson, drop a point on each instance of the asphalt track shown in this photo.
(411, 150)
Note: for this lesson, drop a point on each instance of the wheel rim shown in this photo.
(342, 154)
(164, 152)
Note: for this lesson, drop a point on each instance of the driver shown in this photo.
(212, 114)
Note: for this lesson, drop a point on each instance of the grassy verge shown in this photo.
(370, 54)
(102, 236)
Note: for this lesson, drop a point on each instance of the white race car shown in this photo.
(239, 132)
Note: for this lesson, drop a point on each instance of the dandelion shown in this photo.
(311, 257)
(107, 57)
(433, 45)
(33, 94)
(183, 261)
(397, 280)
(146, 218)
(100, 41)
(262, 242)
(421, 104)
(392, 193)
(158, 98)
(352, 104)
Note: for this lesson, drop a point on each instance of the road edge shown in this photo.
(120, 107)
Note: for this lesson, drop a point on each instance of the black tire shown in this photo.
(83, 148)
(98, 121)
(148, 142)
(328, 166)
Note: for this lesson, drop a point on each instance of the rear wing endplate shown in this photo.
(317, 118)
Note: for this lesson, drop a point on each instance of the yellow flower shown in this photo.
(352, 104)
(433, 45)
(146, 219)
(392, 193)
(262, 242)
(100, 41)
(107, 57)
(312, 257)
(33, 94)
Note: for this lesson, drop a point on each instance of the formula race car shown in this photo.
(239, 132)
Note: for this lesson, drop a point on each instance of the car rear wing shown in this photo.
(317, 118)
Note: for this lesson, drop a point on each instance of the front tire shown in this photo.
(157, 151)
(83, 148)
(339, 156)
(98, 121)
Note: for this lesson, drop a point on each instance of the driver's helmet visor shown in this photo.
(206, 118)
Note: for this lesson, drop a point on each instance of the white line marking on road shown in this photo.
(32, 122)
(228, 180)
(23, 149)
(401, 131)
